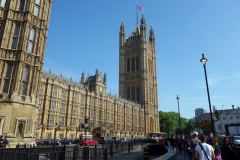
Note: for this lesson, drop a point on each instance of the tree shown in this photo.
(169, 123)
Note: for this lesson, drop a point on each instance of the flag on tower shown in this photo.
(140, 8)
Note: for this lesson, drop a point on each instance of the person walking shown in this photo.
(204, 151)
(194, 142)
(228, 152)
(216, 148)
(4, 142)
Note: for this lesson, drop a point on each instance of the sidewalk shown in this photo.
(133, 155)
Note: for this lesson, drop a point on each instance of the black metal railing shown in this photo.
(97, 152)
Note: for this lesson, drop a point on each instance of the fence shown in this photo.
(98, 152)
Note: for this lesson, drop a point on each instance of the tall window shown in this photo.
(52, 105)
(62, 107)
(61, 121)
(24, 81)
(63, 96)
(128, 93)
(74, 109)
(38, 118)
(54, 91)
(91, 112)
(36, 8)
(82, 99)
(75, 97)
(39, 103)
(100, 103)
(3, 3)
(138, 94)
(128, 65)
(41, 89)
(91, 101)
(133, 64)
(99, 114)
(15, 36)
(31, 41)
(81, 111)
(137, 63)
(50, 119)
(21, 5)
(73, 122)
(7, 78)
(133, 93)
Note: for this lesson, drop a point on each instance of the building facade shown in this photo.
(38, 104)
(138, 72)
(23, 35)
(64, 104)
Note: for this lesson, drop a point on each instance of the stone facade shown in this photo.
(37, 104)
(138, 72)
(64, 104)
(23, 34)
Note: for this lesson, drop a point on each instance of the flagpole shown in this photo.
(136, 13)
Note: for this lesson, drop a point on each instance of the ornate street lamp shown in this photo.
(204, 61)
(179, 119)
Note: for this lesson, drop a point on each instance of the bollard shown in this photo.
(95, 151)
(105, 154)
(111, 150)
(146, 153)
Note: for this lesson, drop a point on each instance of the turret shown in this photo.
(152, 36)
(105, 78)
(82, 77)
(143, 24)
(122, 34)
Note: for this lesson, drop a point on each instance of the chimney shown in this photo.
(232, 106)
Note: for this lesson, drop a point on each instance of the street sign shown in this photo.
(206, 122)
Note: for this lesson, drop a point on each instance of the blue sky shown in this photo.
(84, 34)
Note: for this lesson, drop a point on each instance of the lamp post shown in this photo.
(179, 120)
(204, 61)
(86, 126)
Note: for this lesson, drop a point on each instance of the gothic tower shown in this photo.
(138, 72)
(23, 35)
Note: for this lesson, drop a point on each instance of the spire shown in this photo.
(49, 73)
(82, 77)
(152, 36)
(105, 77)
(122, 26)
(97, 71)
(143, 21)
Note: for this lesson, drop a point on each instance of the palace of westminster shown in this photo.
(35, 103)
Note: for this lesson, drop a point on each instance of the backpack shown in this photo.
(193, 145)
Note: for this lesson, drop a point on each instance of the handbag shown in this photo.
(200, 144)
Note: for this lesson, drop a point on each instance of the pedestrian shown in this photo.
(4, 142)
(204, 151)
(216, 148)
(194, 142)
(172, 142)
(229, 152)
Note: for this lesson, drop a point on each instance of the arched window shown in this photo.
(133, 64)
(31, 40)
(21, 5)
(128, 93)
(128, 65)
(137, 63)
(133, 93)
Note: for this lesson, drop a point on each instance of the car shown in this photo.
(88, 142)
(41, 142)
(54, 141)
(66, 141)
(237, 141)
(105, 140)
(75, 141)
(116, 139)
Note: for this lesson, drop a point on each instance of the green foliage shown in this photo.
(169, 123)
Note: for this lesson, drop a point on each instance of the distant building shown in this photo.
(199, 111)
(229, 116)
